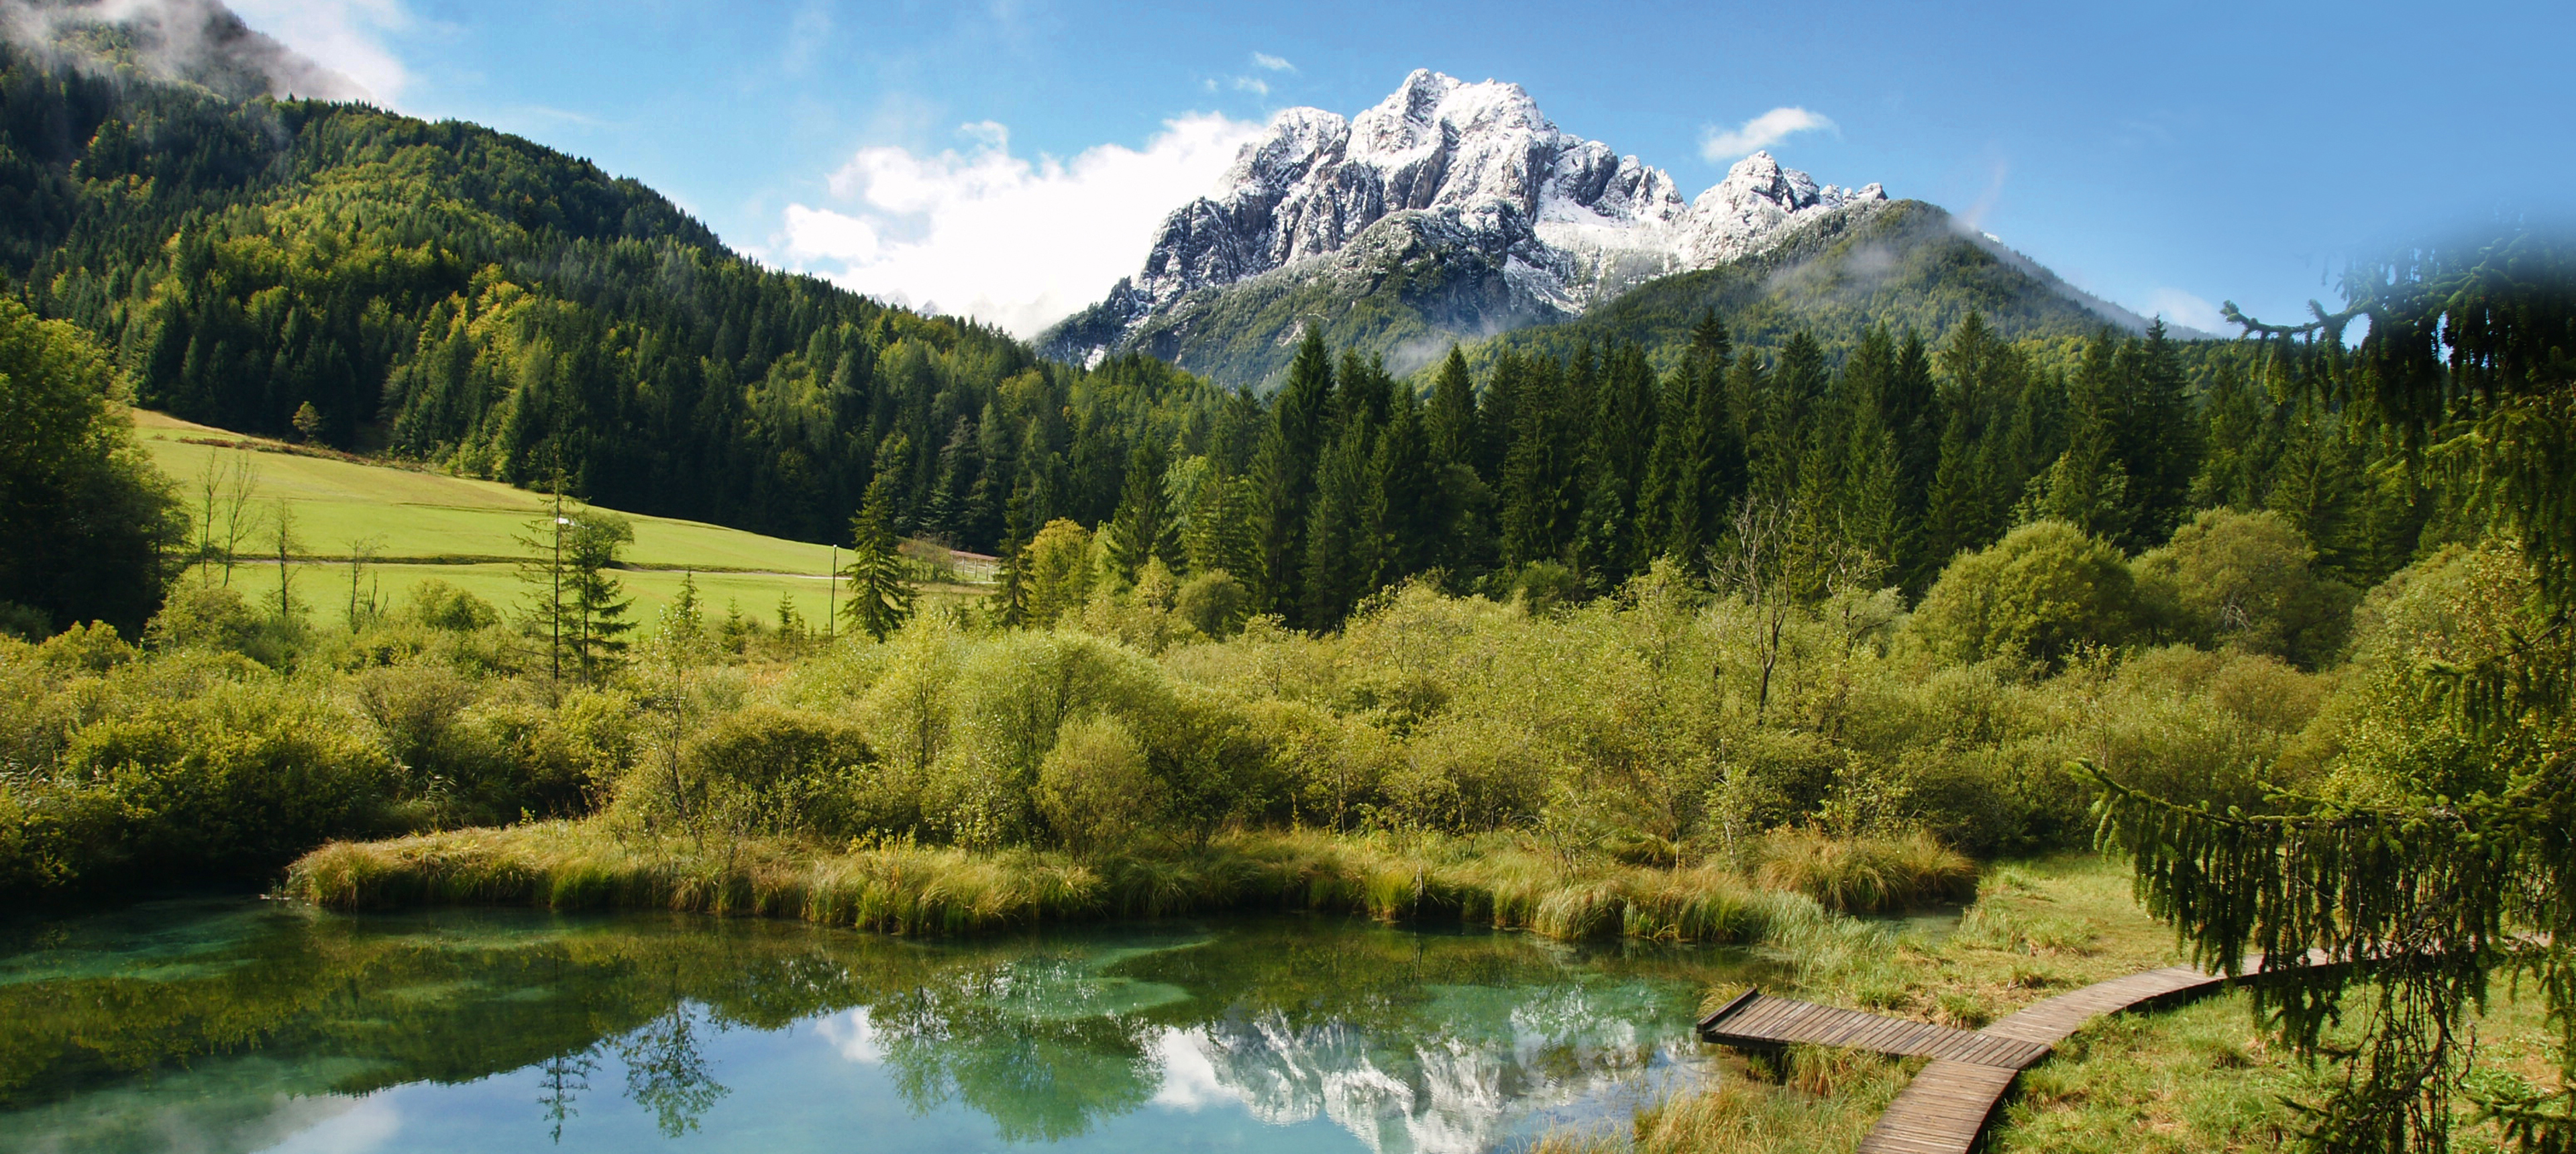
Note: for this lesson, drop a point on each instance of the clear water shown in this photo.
(236, 1025)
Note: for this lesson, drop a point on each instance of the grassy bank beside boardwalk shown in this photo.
(901, 888)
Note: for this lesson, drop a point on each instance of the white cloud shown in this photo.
(345, 36)
(854, 1037)
(1760, 132)
(1190, 1078)
(1252, 84)
(2183, 308)
(1015, 242)
(1273, 63)
(367, 1124)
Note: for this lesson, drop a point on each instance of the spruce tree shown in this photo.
(2158, 435)
(596, 624)
(1412, 511)
(1451, 421)
(2088, 486)
(1300, 423)
(1498, 415)
(1542, 483)
(1707, 464)
(881, 595)
(1143, 527)
(1011, 586)
(1225, 529)
(1611, 545)
(1341, 545)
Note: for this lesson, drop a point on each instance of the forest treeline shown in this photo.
(1563, 479)
(449, 293)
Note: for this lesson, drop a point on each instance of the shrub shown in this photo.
(240, 777)
(1214, 603)
(1543, 586)
(207, 617)
(25, 622)
(1059, 571)
(2044, 591)
(439, 605)
(768, 770)
(1094, 788)
(2246, 580)
(90, 648)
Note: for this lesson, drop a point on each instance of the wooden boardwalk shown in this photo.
(1945, 1107)
(1756, 1020)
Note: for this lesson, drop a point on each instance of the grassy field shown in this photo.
(422, 525)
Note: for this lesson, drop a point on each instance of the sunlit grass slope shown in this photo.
(422, 525)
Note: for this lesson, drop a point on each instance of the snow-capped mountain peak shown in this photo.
(1472, 171)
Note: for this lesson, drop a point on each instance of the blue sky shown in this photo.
(1009, 157)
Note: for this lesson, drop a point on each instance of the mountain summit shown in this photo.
(1494, 217)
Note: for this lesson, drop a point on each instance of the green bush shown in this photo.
(207, 617)
(242, 777)
(1214, 603)
(2246, 580)
(765, 770)
(1095, 789)
(2039, 595)
(439, 605)
(24, 622)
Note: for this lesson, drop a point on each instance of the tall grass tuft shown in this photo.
(1865, 875)
(910, 889)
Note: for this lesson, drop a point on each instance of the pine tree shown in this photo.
(1610, 541)
(1542, 475)
(1451, 419)
(596, 625)
(1300, 423)
(1011, 586)
(1341, 546)
(880, 594)
(1143, 528)
(1412, 512)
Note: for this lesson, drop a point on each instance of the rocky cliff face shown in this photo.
(1467, 189)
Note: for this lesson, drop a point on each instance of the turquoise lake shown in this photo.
(223, 1025)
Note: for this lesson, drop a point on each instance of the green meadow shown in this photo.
(417, 525)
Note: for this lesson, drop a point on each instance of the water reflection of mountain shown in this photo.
(1450, 1093)
(1409, 1042)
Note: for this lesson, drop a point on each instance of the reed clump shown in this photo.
(899, 887)
(1865, 875)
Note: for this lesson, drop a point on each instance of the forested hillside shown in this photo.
(1910, 265)
(446, 292)
(1887, 391)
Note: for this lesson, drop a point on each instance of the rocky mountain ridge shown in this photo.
(1512, 220)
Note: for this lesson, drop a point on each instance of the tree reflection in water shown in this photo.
(1409, 1042)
